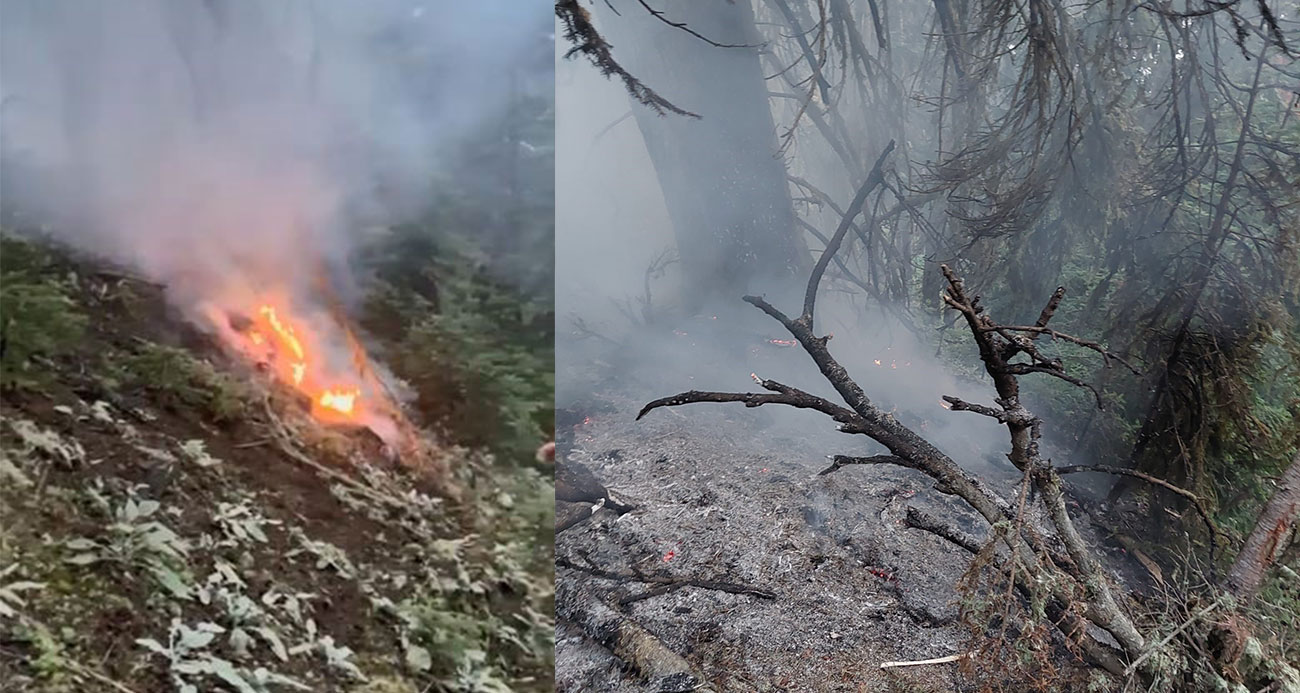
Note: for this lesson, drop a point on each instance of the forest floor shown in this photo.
(732, 494)
(159, 537)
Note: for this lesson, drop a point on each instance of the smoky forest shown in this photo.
(928, 346)
(276, 346)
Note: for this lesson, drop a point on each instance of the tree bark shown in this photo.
(723, 183)
(1273, 533)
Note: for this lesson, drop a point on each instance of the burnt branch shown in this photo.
(1037, 330)
(962, 405)
(782, 394)
(664, 584)
(840, 461)
(1078, 571)
(919, 519)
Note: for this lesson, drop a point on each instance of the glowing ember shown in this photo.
(669, 556)
(876, 361)
(945, 404)
(783, 342)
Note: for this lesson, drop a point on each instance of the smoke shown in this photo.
(226, 146)
(613, 224)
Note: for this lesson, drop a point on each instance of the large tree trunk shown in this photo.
(1273, 533)
(723, 182)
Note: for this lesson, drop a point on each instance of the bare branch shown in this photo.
(919, 519)
(961, 405)
(659, 14)
(875, 178)
(1215, 532)
(1041, 330)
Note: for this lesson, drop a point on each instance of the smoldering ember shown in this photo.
(1038, 261)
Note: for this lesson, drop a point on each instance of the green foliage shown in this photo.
(38, 316)
(462, 300)
(179, 379)
(481, 362)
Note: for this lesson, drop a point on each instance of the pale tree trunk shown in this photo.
(723, 183)
(1273, 533)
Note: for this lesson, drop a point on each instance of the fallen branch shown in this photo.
(665, 584)
(626, 639)
(919, 519)
(840, 461)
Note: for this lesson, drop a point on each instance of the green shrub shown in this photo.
(178, 379)
(39, 320)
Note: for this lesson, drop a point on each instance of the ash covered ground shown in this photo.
(731, 494)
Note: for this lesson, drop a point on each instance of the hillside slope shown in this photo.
(172, 520)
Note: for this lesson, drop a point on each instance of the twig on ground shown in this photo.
(924, 662)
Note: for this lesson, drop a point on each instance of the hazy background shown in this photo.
(222, 145)
(612, 225)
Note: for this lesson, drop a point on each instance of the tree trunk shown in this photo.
(723, 183)
(1273, 533)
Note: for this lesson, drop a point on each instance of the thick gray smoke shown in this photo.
(229, 147)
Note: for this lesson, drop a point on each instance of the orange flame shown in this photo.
(341, 401)
(275, 339)
(287, 337)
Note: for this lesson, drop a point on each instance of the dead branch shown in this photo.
(286, 445)
(1215, 532)
(627, 640)
(682, 26)
(919, 519)
(840, 461)
(664, 584)
(1082, 573)
(962, 405)
(875, 178)
(1128, 671)
(784, 394)
(1106, 354)
(924, 662)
